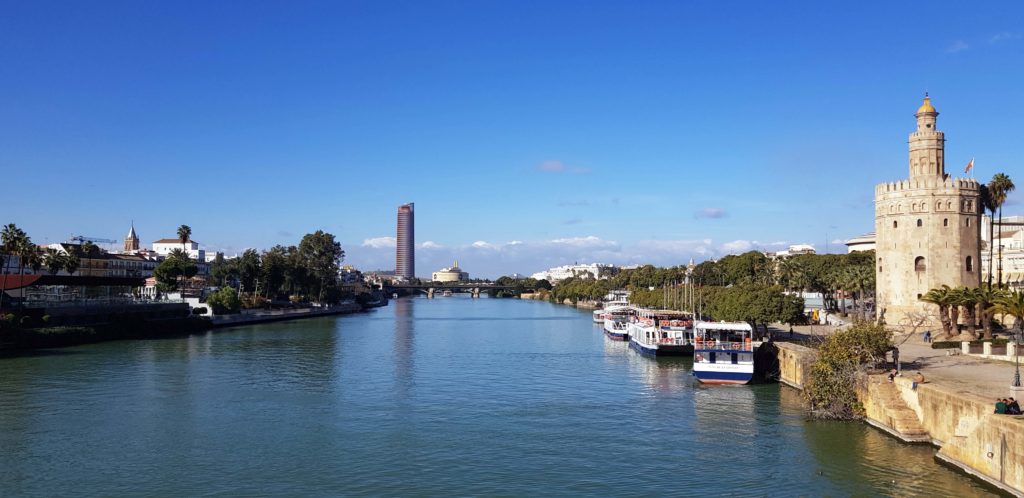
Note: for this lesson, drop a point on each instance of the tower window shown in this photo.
(945, 222)
(970, 264)
(968, 222)
(919, 264)
(919, 222)
(894, 224)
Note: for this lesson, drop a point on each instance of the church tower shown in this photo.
(928, 229)
(131, 241)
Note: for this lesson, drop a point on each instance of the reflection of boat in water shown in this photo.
(446, 293)
(616, 322)
(723, 352)
(666, 374)
(661, 333)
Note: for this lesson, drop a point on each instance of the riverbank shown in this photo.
(127, 326)
(970, 437)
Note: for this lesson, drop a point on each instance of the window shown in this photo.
(970, 264)
(919, 264)
(894, 224)
(945, 222)
(968, 222)
(919, 223)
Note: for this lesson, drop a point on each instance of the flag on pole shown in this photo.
(969, 166)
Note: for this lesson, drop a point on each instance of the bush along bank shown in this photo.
(843, 358)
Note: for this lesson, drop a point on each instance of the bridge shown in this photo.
(473, 289)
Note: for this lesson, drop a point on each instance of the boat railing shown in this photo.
(724, 345)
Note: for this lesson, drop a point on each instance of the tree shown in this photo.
(942, 298)
(987, 297)
(274, 264)
(10, 237)
(89, 249)
(1011, 303)
(249, 269)
(71, 263)
(171, 272)
(988, 204)
(322, 256)
(184, 235)
(224, 301)
(999, 188)
(831, 388)
(54, 261)
(968, 299)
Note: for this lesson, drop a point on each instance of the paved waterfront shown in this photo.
(439, 397)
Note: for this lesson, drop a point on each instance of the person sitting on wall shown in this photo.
(1000, 406)
(892, 374)
(1012, 407)
(918, 379)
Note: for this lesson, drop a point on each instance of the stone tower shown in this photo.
(131, 241)
(928, 229)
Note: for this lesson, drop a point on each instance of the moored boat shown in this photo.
(598, 315)
(661, 333)
(616, 322)
(723, 352)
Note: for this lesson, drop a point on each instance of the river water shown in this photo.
(450, 396)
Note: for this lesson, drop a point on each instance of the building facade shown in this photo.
(452, 274)
(405, 250)
(861, 243)
(594, 270)
(927, 229)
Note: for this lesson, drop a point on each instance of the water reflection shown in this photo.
(661, 375)
(403, 345)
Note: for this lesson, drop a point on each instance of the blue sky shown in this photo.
(529, 134)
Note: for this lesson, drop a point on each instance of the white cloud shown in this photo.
(1004, 36)
(957, 46)
(737, 246)
(483, 244)
(380, 242)
(429, 245)
(711, 212)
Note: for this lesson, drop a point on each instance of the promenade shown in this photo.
(961, 373)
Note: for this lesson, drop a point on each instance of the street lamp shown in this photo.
(1016, 354)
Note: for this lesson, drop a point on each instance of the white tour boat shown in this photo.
(661, 333)
(723, 352)
(616, 321)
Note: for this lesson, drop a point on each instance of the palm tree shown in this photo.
(184, 234)
(54, 261)
(999, 188)
(987, 204)
(88, 248)
(1012, 303)
(71, 262)
(969, 300)
(942, 298)
(9, 237)
(987, 297)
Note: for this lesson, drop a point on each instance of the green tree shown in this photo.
(943, 298)
(999, 188)
(71, 263)
(274, 266)
(54, 261)
(322, 256)
(831, 388)
(249, 270)
(184, 235)
(987, 297)
(224, 301)
(1011, 303)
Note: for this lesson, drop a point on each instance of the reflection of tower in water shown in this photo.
(402, 348)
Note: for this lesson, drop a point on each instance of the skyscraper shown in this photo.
(405, 251)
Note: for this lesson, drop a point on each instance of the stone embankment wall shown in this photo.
(794, 363)
(970, 435)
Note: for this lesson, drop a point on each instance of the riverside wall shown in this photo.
(794, 363)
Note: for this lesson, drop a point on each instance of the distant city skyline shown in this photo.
(529, 136)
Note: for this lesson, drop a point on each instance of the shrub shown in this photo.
(956, 344)
(831, 390)
(224, 301)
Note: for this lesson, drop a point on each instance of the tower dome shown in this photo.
(926, 106)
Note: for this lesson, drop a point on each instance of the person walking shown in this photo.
(927, 336)
(896, 359)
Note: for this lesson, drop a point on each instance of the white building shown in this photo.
(164, 247)
(451, 274)
(594, 270)
(1011, 239)
(793, 250)
(859, 243)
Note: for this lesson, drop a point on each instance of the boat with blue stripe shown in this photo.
(616, 322)
(661, 333)
(723, 352)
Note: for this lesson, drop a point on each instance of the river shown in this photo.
(450, 396)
